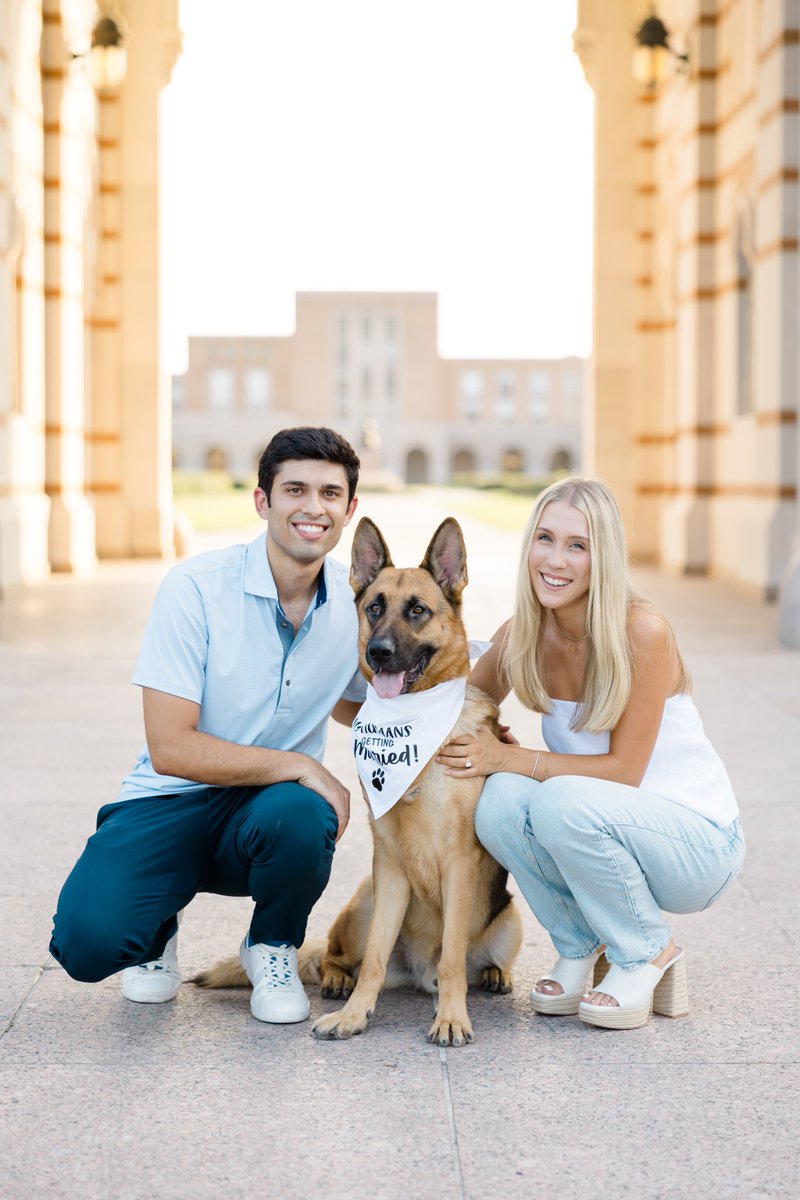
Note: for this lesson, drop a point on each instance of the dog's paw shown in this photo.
(340, 1025)
(495, 979)
(450, 1033)
(337, 985)
(378, 779)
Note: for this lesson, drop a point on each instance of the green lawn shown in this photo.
(498, 508)
(228, 510)
(211, 502)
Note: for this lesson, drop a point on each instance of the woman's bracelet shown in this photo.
(535, 764)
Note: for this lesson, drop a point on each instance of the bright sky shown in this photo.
(392, 145)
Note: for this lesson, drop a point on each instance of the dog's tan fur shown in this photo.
(435, 913)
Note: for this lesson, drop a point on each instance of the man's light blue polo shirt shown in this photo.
(217, 636)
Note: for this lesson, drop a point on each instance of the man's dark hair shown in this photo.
(308, 441)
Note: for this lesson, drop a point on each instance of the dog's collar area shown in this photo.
(394, 739)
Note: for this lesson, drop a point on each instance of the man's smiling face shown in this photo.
(307, 509)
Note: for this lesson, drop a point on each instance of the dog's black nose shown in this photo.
(380, 651)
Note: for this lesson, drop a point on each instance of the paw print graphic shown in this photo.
(378, 779)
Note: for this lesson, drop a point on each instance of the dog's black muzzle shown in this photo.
(382, 654)
(386, 654)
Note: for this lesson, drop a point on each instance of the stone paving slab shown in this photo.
(656, 1131)
(99, 1097)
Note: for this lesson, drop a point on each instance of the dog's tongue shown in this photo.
(388, 685)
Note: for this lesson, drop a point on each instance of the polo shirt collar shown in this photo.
(258, 577)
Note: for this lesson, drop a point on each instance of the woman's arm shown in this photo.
(655, 673)
(486, 673)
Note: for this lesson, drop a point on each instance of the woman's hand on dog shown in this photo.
(483, 754)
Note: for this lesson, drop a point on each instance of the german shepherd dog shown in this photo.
(435, 913)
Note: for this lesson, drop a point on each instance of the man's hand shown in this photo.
(178, 748)
(319, 779)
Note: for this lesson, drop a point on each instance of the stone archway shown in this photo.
(463, 463)
(512, 462)
(561, 460)
(416, 466)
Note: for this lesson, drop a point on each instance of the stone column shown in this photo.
(778, 274)
(146, 416)
(685, 522)
(24, 508)
(68, 119)
(603, 42)
(105, 340)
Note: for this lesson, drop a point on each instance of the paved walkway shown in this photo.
(195, 1099)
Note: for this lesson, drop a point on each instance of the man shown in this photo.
(246, 654)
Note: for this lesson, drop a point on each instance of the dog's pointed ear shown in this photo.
(446, 559)
(369, 556)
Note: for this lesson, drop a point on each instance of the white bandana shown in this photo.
(394, 739)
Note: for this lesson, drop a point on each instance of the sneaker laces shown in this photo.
(275, 967)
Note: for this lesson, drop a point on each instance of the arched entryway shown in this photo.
(416, 466)
(512, 462)
(463, 463)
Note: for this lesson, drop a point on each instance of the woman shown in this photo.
(629, 811)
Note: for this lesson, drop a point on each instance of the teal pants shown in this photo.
(150, 857)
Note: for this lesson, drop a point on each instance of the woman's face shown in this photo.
(560, 559)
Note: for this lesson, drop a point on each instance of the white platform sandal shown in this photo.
(662, 990)
(573, 975)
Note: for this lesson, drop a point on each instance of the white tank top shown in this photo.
(683, 767)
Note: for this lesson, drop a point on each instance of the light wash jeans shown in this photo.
(598, 861)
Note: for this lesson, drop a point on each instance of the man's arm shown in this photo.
(177, 747)
(344, 711)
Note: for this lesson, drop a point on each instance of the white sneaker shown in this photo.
(154, 982)
(278, 994)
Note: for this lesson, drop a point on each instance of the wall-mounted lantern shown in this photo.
(653, 55)
(108, 57)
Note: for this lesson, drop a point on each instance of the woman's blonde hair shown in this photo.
(607, 682)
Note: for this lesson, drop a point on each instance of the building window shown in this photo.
(366, 383)
(470, 386)
(178, 391)
(257, 387)
(390, 330)
(341, 342)
(572, 385)
(539, 395)
(342, 393)
(391, 388)
(220, 387)
(366, 328)
(505, 404)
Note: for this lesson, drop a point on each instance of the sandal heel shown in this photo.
(671, 996)
(600, 972)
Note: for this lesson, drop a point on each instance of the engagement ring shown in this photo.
(467, 764)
